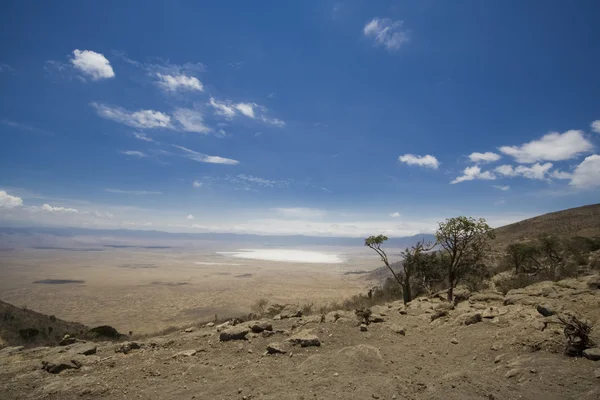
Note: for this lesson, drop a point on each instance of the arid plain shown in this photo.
(145, 287)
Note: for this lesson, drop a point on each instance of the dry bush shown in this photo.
(517, 282)
(260, 307)
(577, 333)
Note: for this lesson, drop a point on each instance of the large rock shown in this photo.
(237, 332)
(127, 347)
(290, 311)
(471, 318)
(59, 364)
(592, 354)
(546, 310)
(276, 348)
(486, 297)
(305, 338)
(260, 326)
(85, 349)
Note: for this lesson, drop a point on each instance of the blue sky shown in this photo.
(322, 118)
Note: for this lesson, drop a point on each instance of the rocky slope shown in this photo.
(489, 346)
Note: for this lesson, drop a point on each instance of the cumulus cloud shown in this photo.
(8, 201)
(395, 215)
(134, 192)
(587, 174)
(553, 146)
(427, 161)
(596, 126)
(221, 108)
(139, 119)
(500, 187)
(556, 174)
(386, 33)
(484, 157)
(173, 83)
(472, 173)
(190, 217)
(247, 109)
(536, 171)
(229, 110)
(92, 64)
(134, 153)
(197, 184)
(204, 158)
(190, 120)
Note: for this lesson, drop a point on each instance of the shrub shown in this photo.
(577, 333)
(260, 307)
(517, 282)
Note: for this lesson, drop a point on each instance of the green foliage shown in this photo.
(464, 241)
(522, 257)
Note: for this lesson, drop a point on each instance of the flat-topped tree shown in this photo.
(463, 242)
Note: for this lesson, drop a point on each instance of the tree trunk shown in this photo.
(450, 284)
(450, 294)
(406, 294)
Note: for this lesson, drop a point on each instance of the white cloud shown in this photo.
(247, 109)
(427, 161)
(204, 158)
(59, 210)
(24, 127)
(191, 120)
(135, 192)
(300, 212)
(386, 32)
(138, 119)
(260, 181)
(536, 171)
(596, 126)
(173, 83)
(197, 184)
(556, 174)
(8, 201)
(553, 146)
(222, 109)
(134, 153)
(143, 136)
(587, 174)
(92, 64)
(503, 188)
(272, 121)
(190, 217)
(395, 215)
(472, 173)
(484, 157)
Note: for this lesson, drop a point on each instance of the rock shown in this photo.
(473, 319)
(185, 353)
(486, 297)
(127, 347)
(260, 326)
(363, 328)
(597, 373)
(104, 331)
(277, 317)
(454, 341)
(499, 358)
(276, 348)
(512, 373)
(290, 311)
(59, 364)
(85, 349)
(8, 351)
(305, 338)
(67, 340)
(398, 329)
(496, 347)
(210, 325)
(238, 332)
(545, 310)
(188, 330)
(222, 326)
(267, 333)
(439, 314)
(376, 318)
(592, 354)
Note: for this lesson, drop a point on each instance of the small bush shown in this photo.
(28, 333)
(260, 307)
(578, 335)
(517, 282)
(307, 309)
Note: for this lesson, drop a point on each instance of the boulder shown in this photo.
(224, 325)
(439, 314)
(276, 348)
(376, 318)
(473, 318)
(305, 338)
(210, 324)
(290, 311)
(103, 332)
(238, 332)
(592, 354)
(188, 330)
(85, 349)
(546, 310)
(260, 326)
(59, 364)
(67, 340)
(363, 328)
(127, 347)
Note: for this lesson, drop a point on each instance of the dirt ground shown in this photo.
(511, 351)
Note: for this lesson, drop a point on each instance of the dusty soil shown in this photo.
(512, 353)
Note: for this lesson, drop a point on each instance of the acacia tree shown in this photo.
(414, 258)
(463, 241)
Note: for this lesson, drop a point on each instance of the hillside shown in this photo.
(489, 346)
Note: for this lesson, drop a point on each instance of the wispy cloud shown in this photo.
(596, 126)
(427, 161)
(134, 192)
(143, 137)
(204, 158)
(24, 127)
(6, 68)
(197, 184)
(173, 83)
(258, 181)
(395, 215)
(553, 146)
(386, 33)
(503, 188)
(472, 173)
(229, 109)
(191, 120)
(300, 212)
(91, 64)
(536, 171)
(190, 217)
(134, 153)
(484, 157)
(143, 119)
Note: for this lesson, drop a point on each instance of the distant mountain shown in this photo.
(16, 235)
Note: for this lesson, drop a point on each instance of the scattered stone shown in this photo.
(57, 365)
(261, 326)
(592, 354)
(238, 332)
(376, 318)
(275, 348)
(545, 310)
(305, 338)
(473, 319)
(185, 353)
(454, 341)
(363, 328)
(512, 373)
(597, 373)
(267, 333)
(496, 347)
(67, 340)
(222, 326)
(210, 324)
(439, 314)
(290, 311)
(336, 374)
(188, 330)
(127, 347)
(85, 349)
(400, 330)
(499, 358)
(277, 317)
